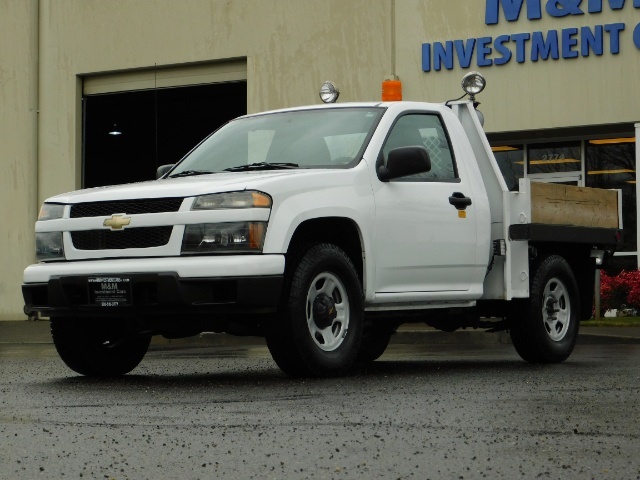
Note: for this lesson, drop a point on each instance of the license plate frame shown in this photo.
(109, 291)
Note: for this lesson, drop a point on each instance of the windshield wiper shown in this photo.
(262, 166)
(190, 173)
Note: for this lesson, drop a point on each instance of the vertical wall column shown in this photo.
(19, 149)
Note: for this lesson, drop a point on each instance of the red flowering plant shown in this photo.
(619, 290)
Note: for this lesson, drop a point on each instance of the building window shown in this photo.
(554, 158)
(611, 163)
(617, 263)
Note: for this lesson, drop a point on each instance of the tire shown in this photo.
(97, 350)
(544, 329)
(320, 329)
(374, 343)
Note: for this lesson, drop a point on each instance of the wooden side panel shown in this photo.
(558, 204)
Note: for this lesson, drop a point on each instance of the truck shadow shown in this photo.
(265, 374)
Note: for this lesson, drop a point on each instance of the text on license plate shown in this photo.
(109, 291)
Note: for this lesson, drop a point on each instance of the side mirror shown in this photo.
(163, 169)
(405, 161)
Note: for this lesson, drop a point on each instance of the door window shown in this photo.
(424, 130)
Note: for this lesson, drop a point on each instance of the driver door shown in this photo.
(423, 243)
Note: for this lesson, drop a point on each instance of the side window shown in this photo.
(423, 130)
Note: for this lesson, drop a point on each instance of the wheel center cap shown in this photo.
(324, 310)
(552, 307)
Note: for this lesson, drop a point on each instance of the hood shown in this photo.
(180, 187)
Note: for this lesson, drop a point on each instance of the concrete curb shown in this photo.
(37, 332)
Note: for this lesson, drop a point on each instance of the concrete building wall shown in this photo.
(18, 147)
(48, 47)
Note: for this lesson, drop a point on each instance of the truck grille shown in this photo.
(129, 207)
(130, 238)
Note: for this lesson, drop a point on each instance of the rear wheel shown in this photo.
(100, 350)
(544, 329)
(320, 330)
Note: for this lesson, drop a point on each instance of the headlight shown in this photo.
(51, 211)
(49, 246)
(246, 199)
(224, 237)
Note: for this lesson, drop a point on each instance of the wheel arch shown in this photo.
(340, 231)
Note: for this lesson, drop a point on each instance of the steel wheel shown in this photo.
(320, 328)
(556, 309)
(327, 311)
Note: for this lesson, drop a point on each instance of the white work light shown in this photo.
(473, 83)
(329, 92)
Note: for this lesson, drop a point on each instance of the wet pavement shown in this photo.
(424, 410)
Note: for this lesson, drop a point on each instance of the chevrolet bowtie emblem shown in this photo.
(117, 222)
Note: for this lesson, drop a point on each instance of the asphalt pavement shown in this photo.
(22, 331)
(420, 412)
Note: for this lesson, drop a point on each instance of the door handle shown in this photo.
(459, 201)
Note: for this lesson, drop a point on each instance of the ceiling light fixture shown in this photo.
(610, 141)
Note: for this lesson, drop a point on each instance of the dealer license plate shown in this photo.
(109, 291)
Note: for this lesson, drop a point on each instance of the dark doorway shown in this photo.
(128, 135)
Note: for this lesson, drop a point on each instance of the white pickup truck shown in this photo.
(322, 228)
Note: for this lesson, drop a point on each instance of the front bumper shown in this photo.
(160, 287)
(159, 294)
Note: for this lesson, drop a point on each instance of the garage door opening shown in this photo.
(128, 135)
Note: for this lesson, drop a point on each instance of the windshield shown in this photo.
(323, 138)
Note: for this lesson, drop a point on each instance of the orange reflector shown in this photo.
(391, 90)
(256, 235)
(261, 200)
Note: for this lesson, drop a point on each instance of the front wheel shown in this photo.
(544, 329)
(97, 349)
(320, 330)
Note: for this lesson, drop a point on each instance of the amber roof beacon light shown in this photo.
(391, 90)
